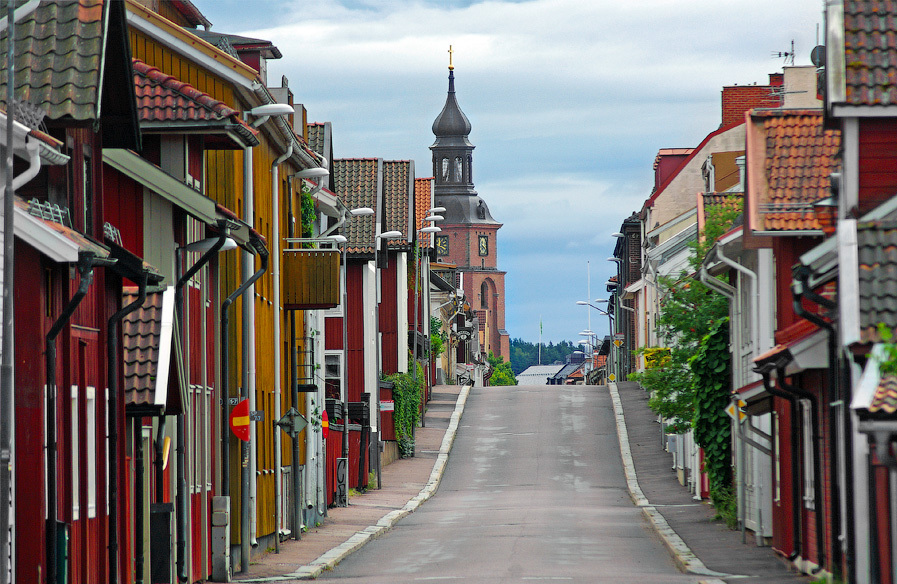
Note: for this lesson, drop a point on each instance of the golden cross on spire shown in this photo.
(450, 51)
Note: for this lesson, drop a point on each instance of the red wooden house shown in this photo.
(159, 196)
(858, 262)
(72, 63)
(790, 156)
(387, 187)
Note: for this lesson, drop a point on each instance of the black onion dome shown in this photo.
(451, 121)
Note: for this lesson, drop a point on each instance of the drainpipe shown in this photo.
(7, 365)
(819, 501)
(225, 370)
(735, 332)
(86, 263)
(182, 494)
(768, 384)
(247, 475)
(834, 365)
(275, 272)
(112, 363)
(755, 334)
(139, 509)
(247, 458)
(294, 388)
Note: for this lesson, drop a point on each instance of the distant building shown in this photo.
(469, 237)
(538, 374)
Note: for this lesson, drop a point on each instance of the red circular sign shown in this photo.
(239, 420)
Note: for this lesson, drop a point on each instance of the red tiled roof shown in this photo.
(885, 398)
(164, 98)
(141, 335)
(800, 157)
(423, 202)
(870, 47)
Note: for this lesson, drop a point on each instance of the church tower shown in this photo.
(469, 237)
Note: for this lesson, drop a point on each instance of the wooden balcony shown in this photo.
(311, 279)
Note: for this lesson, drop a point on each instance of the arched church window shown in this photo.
(445, 169)
(459, 170)
(484, 296)
(470, 168)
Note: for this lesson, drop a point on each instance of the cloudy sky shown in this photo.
(569, 101)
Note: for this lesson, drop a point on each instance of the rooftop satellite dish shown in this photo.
(817, 55)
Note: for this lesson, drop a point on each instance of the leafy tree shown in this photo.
(501, 371)
(525, 354)
(438, 337)
(693, 321)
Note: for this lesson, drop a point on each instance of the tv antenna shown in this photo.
(787, 55)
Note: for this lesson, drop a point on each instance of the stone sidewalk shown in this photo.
(406, 483)
(699, 544)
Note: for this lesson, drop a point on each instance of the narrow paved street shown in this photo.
(533, 491)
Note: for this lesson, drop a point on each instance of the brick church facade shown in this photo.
(469, 237)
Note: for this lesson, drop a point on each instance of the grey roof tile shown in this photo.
(877, 255)
(59, 53)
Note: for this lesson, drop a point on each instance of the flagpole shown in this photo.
(540, 339)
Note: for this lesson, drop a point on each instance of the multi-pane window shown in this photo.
(90, 435)
(806, 410)
(333, 374)
(76, 467)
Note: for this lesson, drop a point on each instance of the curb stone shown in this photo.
(684, 558)
(330, 559)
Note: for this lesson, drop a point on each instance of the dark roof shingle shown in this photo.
(870, 47)
(355, 181)
(877, 255)
(59, 58)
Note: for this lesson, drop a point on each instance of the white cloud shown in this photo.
(569, 103)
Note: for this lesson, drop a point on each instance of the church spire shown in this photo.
(453, 162)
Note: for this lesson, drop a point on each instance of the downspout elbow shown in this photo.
(33, 165)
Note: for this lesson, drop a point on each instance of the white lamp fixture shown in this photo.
(431, 229)
(316, 172)
(338, 238)
(263, 112)
(436, 210)
(361, 211)
(390, 235)
(617, 234)
(613, 259)
(204, 245)
(434, 218)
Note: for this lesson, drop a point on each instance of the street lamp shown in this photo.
(610, 325)
(432, 217)
(377, 365)
(261, 114)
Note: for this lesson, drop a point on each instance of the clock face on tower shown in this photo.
(484, 245)
(442, 244)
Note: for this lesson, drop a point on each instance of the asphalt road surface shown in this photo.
(533, 491)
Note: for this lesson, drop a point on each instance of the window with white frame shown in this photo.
(76, 467)
(333, 374)
(90, 434)
(777, 468)
(806, 410)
